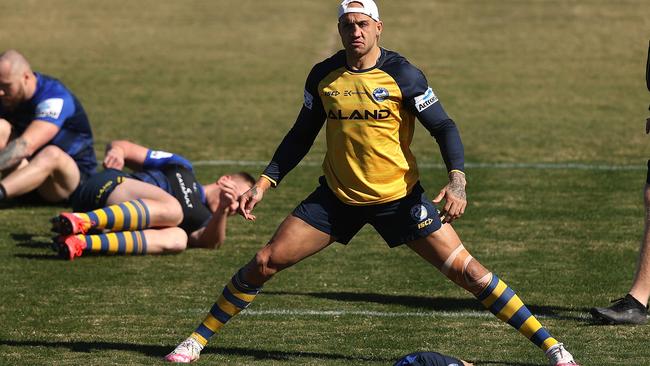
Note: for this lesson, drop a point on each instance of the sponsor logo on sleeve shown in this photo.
(425, 100)
(49, 108)
(158, 154)
(309, 100)
(380, 94)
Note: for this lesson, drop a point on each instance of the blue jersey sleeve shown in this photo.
(55, 108)
(157, 159)
(420, 99)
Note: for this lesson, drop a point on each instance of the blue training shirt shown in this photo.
(154, 164)
(173, 173)
(53, 102)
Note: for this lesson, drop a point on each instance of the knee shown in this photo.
(173, 212)
(50, 157)
(477, 277)
(466, 271)
(264, 266)
(177, 240)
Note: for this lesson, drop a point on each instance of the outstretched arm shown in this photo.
(122, 152)
(37, 135)
(294, 147)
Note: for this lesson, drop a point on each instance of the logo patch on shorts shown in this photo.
(380, 94)
(419, 212)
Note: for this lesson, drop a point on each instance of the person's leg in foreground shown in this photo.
(293, 241)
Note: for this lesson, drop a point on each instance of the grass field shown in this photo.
(534, 86)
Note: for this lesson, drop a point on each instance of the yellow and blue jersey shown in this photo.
(370, 118)
(53, 102)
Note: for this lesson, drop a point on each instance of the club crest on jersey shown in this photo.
(49, 108)
(309, 100)
(380, 94)
(425, 100)
(419, 212)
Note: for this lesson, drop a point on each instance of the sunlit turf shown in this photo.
(526, 82)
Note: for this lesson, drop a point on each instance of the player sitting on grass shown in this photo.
(46, 143)
(158, 208)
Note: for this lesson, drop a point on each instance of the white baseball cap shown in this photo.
(368, 8)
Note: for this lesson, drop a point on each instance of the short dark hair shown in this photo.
(246, 177)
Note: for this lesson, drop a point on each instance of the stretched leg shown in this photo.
(150, 241)
(132, 205)
(641, 286)
(53, 172)
(633, 308)
(444, 250)
(294, 241)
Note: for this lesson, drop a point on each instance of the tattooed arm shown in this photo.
(13, 154)
(250, 198)
(37, 134)
(454, 195)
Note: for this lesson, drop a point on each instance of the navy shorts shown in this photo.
(647, 177)
(398, 222)
(95, 190)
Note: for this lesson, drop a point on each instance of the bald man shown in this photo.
(46, 143)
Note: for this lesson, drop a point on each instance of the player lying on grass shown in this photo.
(46, 144)
(159, 208)
(370, 98)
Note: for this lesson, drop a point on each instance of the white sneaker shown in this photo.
(559, 356)
(189, 350)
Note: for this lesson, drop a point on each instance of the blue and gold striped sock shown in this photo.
(236, 296)
(122, 242)
(502, 301)
(130, 215)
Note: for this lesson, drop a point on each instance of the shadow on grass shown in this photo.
(480, 362)
(34, 241)
(28, 240)
(434, 303)
(31, 199)
(160, 351)
(39, 257)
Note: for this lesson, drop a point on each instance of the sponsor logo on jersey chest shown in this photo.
(359, 114)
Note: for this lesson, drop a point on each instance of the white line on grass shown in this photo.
(378, 314)
(567, 166)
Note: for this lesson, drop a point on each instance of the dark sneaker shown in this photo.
(627, 310)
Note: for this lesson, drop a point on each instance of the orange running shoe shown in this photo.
(68, 223)
(70, 246)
